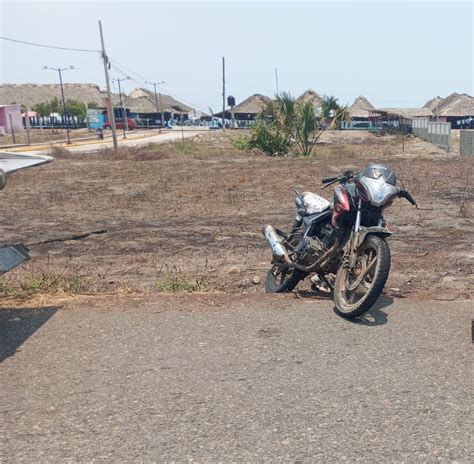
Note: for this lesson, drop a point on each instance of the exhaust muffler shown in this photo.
(271, 238)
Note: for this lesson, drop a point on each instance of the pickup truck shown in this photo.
(119, 124)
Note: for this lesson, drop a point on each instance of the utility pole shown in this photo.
(12, 129)
(223, 93)
(162, 114)
(276, 79)
(124, 111)
(109, 93)
(60, 71)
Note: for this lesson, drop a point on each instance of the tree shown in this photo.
(286, 124)
(92, 105)
(43, 109)
(307, 128)
(56, 106)
(76, 108)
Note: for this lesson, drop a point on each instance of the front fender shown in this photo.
(375, 230)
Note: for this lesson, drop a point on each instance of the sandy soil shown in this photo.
(186, 216)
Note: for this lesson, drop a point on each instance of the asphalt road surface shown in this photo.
(235, 379)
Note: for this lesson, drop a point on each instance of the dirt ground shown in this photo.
(186, 216)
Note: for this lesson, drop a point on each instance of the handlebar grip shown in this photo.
(325, 180)
(408, 196)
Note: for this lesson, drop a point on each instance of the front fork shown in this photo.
(351, 252)
(357, 237)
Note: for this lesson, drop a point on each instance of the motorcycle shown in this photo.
(343, 245)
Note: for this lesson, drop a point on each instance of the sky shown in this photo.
(396, 53)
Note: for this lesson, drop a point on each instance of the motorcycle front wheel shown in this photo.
(357, 290)
(282, 279)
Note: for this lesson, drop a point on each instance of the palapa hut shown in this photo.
(361, 113)
(29, 95)
(143, 105)
(400, 118)
(458, 109)
(311, 96)
(434, 104)
(247, 111)
(140, 103)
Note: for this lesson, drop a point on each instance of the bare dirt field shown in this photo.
(186, 216)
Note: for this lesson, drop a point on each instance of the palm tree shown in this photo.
(342, 114)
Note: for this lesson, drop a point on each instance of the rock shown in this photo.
(256, 279)
(233, 270)
(244, 283)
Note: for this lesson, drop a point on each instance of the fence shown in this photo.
(466, 146)
(438, 133)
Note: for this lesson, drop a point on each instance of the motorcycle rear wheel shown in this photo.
(356, 292)
(282, 279)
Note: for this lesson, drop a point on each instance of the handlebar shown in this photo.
(408, 196)
(344, 177)
(325, 180)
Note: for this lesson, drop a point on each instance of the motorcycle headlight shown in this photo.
(378, 191)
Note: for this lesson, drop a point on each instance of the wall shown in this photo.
(437, 133)
(17, 120)
(466, 146)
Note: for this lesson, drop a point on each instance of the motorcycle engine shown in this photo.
(309, 250)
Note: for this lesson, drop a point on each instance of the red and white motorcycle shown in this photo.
(343, 246)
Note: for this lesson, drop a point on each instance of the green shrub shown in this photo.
(241, 143)
(177, 282)
(267, 137)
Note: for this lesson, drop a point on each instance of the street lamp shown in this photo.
(154, 84)
(60, 70)
(124, 111)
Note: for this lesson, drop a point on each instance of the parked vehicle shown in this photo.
(120, 123)
(343, 245)
(14, 255)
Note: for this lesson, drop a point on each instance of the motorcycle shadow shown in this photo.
(373, 317)
(19, 324)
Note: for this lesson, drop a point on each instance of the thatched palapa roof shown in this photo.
(361, 108)
(453, 105)
(310, 96)
(405, 113)
(32, 94)
(254, 104)
(143, 101)
(434, 103)
(139, 100)
(457, 105)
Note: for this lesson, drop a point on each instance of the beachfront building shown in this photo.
(247, 112)
(458, 109)
(10, 117)
(147, 109)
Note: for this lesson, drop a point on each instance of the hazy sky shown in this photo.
(395, 53)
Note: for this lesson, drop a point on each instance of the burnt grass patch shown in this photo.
(186, 216)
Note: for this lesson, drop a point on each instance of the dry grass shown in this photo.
(187, 216)
(46, 135)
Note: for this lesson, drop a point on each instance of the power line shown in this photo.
(50, 46)
(142, 81)
(129, 70)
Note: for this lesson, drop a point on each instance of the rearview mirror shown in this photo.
(3, 179)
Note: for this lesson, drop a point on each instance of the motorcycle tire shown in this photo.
(382, 268)
(286, 285)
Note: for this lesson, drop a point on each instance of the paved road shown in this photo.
(133, 140)
(235, 379)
